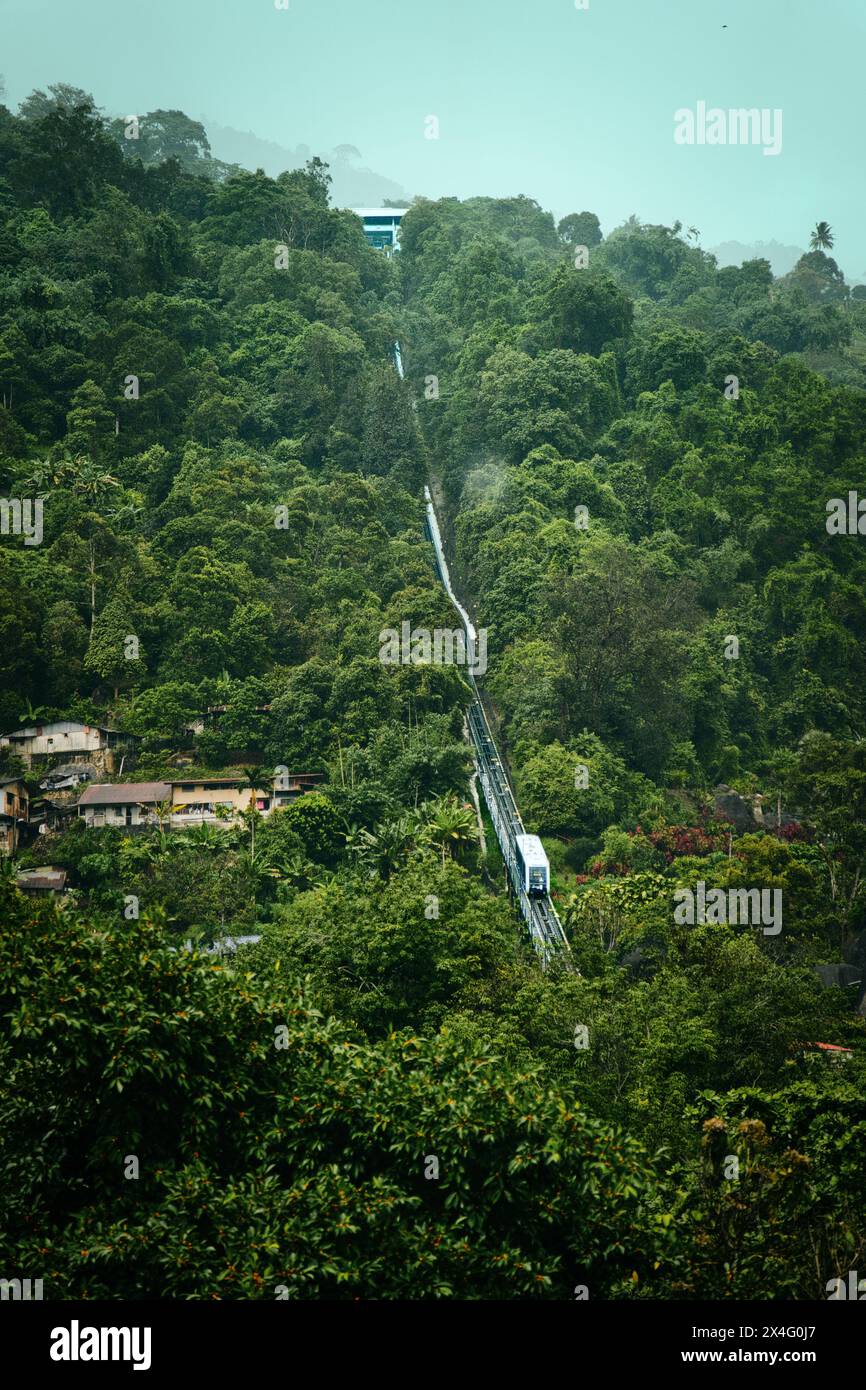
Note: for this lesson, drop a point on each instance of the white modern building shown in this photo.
(382, 227)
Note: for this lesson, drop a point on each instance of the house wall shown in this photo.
(66, 740)
(65, 737)
(15, 805)
(196, 802)
(95, 817)
(296, 785)
(14, 800)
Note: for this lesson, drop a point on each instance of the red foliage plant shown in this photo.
(677, 840)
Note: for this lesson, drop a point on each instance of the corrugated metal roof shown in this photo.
(124, 793)
(42, 878)
(238, 782)
(69, 725)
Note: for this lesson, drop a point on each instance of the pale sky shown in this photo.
(572, 107)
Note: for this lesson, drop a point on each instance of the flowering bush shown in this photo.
(676, 840)
(792, 832)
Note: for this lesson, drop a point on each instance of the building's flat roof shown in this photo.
(379, 212)
(124, 793)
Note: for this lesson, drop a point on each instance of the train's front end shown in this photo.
(535, 867)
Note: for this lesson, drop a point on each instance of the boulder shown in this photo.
(731, 807)
(838, 974)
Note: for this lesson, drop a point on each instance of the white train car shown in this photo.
(533, 865)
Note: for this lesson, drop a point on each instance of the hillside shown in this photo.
(639, 453)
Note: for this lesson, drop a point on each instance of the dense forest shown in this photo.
(635, 453)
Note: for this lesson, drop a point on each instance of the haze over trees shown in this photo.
(196, 376)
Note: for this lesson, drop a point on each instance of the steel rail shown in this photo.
(539, 914)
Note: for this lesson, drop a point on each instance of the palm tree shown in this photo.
(252, 870)
(141, 853)
(249, 817)
(32, 713)
(255, 779)
(126, 511)
(91, 479)
(383, 848)
(206, 837)
(449, 827)
(48, 474)
(292, 869)
(162, 810)
(822, 237)
(355, 840)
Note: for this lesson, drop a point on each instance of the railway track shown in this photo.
(539, 914)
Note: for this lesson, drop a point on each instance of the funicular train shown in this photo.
(533, 865)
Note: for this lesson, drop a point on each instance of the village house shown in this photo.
(294, 784)
(63, 737)
(124, 804)
(45, 882)
(214, 798)
(14, 813)
(187, 802)
(48, 814)
(833, 1052)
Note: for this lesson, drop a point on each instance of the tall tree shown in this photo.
(822, 237)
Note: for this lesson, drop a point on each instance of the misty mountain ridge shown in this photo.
(353, 184)
(782, 258)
